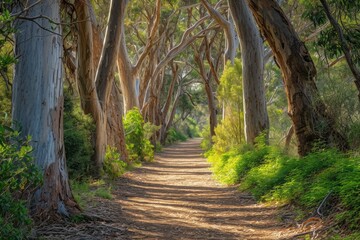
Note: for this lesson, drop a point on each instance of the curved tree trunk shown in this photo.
(38, 106)
(255, 112)
(306, 109)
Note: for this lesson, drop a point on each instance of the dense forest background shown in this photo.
(90, 89)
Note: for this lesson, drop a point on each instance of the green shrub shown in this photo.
(137, 136)
(18, 177)
(78, 129)
(206, 142)
(113, 166)
(271, 175)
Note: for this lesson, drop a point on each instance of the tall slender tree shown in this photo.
(255, 112)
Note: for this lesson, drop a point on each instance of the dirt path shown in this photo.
(175, 197)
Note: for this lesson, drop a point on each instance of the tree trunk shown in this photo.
(38, 106)
(97, 102)
(115, 130)
(306, 109)
(229, 32)
(127, 78)
(211, 105)
(255, 112)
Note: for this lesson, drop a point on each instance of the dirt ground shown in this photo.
(175, 197)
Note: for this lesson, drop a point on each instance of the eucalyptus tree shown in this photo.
(37, 102)
(305, 107)
(226, 23)
(99, 94)
(161, 43)
(201, 54)
(252, 52)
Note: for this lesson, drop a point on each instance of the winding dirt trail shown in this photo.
(176, 198)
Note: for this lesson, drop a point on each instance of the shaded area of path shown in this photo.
(176, 198)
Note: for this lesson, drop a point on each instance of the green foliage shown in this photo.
(206, 142)
(174, 135)
(187, 128)
(18, 178)
(7, 58)
(346, 14)
(230, 167)
(114, 167)
(78, 129)
(353, 236)
(137, 136)
(230, 132)
(271, 175)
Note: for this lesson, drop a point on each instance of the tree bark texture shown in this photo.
(306, 109)
(99, 96)
(255, 112)
(127, 77)
(38, 105)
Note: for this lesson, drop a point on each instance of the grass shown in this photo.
(84, 192)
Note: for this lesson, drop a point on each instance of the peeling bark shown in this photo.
(38, 106)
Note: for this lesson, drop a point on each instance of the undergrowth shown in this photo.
(18, 178)
(273, 176)
(137, 136)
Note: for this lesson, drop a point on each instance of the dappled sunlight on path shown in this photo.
(175, 197)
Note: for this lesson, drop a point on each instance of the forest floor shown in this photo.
(175, 197)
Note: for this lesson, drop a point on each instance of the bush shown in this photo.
(18, 177)
(206, 142)
(137, 136)
(113, 165)
(78, 128)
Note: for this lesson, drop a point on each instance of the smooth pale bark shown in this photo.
(165, 125)
(255, 113)
(229, 32)
(38, 106)
(129, 73)
(344, 45)
(186, 39)
(127, 77)
(305, 107)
